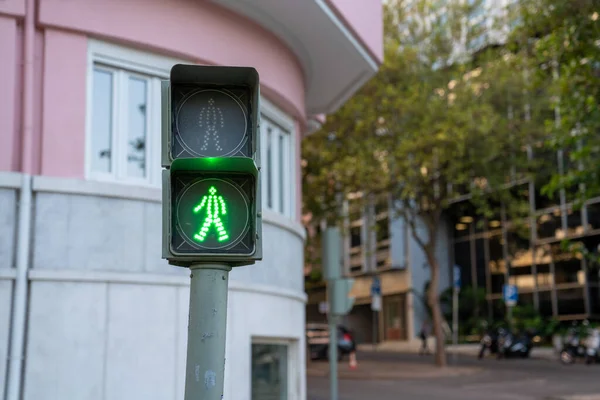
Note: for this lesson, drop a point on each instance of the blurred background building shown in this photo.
(88, 310)
(489, 252)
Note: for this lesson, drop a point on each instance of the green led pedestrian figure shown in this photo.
(215, 208)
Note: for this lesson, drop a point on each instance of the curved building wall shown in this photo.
(107, 318)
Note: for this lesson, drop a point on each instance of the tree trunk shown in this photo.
(436, 310)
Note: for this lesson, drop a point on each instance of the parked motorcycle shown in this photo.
(489, 341)
(592, 352)
(510, 345)
(574, 347)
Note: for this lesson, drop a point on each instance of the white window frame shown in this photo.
(282, 125)
(293, 360)
(125, 62)
(156, 68)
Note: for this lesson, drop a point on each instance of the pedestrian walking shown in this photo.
(424, 334)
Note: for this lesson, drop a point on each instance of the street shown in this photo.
(490, 379)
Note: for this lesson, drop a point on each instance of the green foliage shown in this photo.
(434, 124)
(563, 38)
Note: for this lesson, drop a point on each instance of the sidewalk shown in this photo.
(545, 353)
(379, 370)
(577, 397)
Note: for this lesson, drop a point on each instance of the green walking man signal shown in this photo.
(210, 155)
(215, 208)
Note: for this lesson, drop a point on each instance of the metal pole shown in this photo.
(333, 355)
(19, 311)
(455, 319)
(375, 321)
(205, 366)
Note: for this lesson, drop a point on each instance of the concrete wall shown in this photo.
(106, 339)
(108, 318)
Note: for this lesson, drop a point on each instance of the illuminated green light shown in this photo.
(212, 201)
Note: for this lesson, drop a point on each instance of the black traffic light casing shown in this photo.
(211, 166)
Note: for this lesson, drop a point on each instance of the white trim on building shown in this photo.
(124, 64)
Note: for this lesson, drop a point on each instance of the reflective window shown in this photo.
(568, 267)
(593, 216)
(269, 371)
(496, 263)
(137, 123)
(571, 301)
(545, 301)
(462, 258)
(102, 120)
(278, 182)
(549, 225)
(122, 134)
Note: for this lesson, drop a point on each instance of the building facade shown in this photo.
(555, 281)
(88, 309)
(378, 245)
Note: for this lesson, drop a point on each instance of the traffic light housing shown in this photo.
(211, 160)
(341, 303)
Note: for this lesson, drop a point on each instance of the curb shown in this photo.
(366, 375)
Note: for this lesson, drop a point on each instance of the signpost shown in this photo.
(323, 307)
(510, 295)
(455, 291)
(340, 303)
(210, 201)
(375, 306)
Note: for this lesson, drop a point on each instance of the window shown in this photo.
(121, 144)
(271, 367)
(124, 126)
(278, 157)
(123, 121)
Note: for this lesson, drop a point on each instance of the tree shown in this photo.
(431, 126)
(564, 39)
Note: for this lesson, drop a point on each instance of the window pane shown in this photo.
(269, 372)
(593, 216)
(282, 168)
(269, 170)
(567, 266)
(136, 136)
(462, 258)
(545, 299)
(550, 225)
(571, 301)
(497, 266)
(102, 121)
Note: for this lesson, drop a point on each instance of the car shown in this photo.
(317, 340)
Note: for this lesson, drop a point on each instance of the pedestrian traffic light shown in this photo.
(211, 161)
(341, 303)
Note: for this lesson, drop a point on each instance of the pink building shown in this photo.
(88, 310)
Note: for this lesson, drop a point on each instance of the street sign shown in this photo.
(376, 302)
(211, 160)
(376, 286)
(510, 295)
(457, 281)
(323, 307)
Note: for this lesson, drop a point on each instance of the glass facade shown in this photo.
(557, 282)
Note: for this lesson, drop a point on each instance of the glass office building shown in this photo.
(528, 253)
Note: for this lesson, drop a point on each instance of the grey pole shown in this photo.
(455, 320)
(332, 271)
(205, 366)
(333, 355)
(374, 330)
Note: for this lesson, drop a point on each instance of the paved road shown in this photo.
(499, 380)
